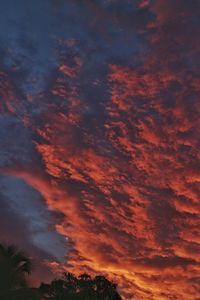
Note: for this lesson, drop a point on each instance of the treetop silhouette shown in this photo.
(15, 266)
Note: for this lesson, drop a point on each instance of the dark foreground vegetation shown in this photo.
(15, 266)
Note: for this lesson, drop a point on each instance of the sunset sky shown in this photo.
(100, 141)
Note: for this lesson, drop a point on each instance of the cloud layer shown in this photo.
(111, 143)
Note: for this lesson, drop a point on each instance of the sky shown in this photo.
(100, 139)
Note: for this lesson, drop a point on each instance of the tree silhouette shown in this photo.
(80, 288)
(105, 290)
(14, 266)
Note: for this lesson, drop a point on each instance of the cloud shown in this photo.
(113, 146)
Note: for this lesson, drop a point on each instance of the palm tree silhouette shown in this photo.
(14, 266)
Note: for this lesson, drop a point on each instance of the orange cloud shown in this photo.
(128, 189)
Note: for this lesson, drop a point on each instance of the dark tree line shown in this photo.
(15, 266)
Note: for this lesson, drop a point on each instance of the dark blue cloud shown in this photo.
(30, 33)
(25, 204)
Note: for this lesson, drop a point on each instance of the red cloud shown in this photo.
(8, 102)
(130, 198)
